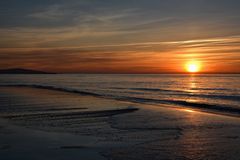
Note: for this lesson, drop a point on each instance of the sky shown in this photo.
(120, 36)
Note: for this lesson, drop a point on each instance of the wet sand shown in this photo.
(43, 124)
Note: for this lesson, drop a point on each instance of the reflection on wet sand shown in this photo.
(122, 130)
(189, 110)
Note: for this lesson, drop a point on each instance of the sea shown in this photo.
(218, 93)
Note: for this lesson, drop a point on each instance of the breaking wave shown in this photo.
(220, 109)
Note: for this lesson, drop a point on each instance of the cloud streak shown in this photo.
(120, 36)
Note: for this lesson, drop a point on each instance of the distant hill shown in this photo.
(22, 71)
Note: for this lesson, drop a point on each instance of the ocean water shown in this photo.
(216, 93)
(111, 110)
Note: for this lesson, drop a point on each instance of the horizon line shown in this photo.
(78, 72)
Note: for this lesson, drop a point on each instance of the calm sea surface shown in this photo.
(212, 92)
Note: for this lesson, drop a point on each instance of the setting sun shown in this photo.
(193, 67)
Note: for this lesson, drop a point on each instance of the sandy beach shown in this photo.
(87, 127)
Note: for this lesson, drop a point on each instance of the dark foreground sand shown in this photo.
(41, 124)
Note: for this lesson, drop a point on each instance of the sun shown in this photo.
(193, 67)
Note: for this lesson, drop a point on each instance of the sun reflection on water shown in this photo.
(189, 110)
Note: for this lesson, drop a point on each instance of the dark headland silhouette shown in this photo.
(22, 71)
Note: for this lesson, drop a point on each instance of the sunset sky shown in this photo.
(120, 36)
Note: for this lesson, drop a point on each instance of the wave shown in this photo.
(188, 93)
(194, 105)
(53, 88)
(171, 90)
(156, 90)
(209, 89)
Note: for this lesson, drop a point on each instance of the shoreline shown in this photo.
(148, 132)
(202, 107)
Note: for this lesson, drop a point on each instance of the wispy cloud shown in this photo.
(141, 35)
(53, 12)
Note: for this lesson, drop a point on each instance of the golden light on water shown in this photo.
(189, 110)
(193, 67)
